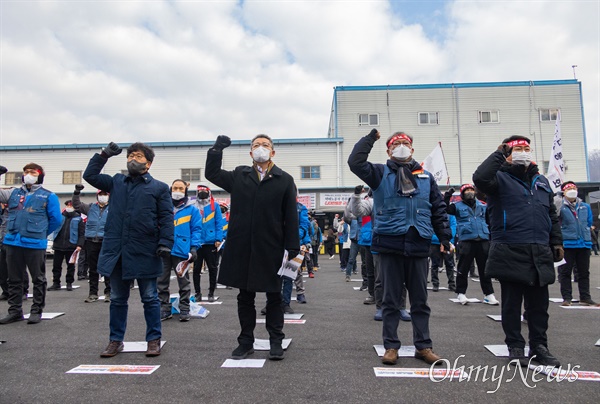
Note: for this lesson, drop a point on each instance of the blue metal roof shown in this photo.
(201, 143)
(457, 85)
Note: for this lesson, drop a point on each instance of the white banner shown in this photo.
(436, 165)
(556, 165)
(308, 200)
(335, 199)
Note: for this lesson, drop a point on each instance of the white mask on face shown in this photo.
(69, 209)
(571, 193)
(30, 179)
(521, 158)
(401, 152)
(177, 195)
(103, 199)
(261, 154)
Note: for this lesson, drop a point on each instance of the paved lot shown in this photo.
(331, 358)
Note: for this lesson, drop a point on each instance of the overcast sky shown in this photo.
(98, 71)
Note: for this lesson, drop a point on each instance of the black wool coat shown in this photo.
(263, 222)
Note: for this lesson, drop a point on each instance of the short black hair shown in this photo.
(141, 147)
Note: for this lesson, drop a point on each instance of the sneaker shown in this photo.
(354, 273)
(390, 357)
(462, 299)
(363, 287)
(316, 269)
(54, 286)
(311, 275)
(70, 287)
(184, 316)
(211, 298)
(347, 279)
(301, 299)
(566, 303)
(242, 351)
(276, 352)
(91, 299)
(107, 298)
(287, 309)
(263, 311)
(491, 300)
(369, 300)
(331, 257)
(517, 354)
(198, 297)
(428, 356)
(113, 348)
(542, 355)
(378, 316)
(34, 318)
(165, 315)
(11, 318)
(436, 288)
(405, 315)
(587, 302)
(452, 288)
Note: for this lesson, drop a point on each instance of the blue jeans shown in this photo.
(119, 295)
(351, 267)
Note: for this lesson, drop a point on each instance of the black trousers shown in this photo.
(397, 271)
(469, 251)
(92, 251)
(247, 317)
(208, 253)
(4, 274)
(581, 258)
(438, 259)
(536, 303)
(20, 259)
(315, 255)
(59, 257)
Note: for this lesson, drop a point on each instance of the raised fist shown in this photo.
(374, 134)
(3, 170)
(221, 143)
(505, 149)
(112, 149)
(358, 189)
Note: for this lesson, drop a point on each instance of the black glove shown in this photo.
(446, 245)
(358, 189)
(163, 251)
(221, 143)
(3, 170)
(78, 189)
(112, 149)
(505, 149)
(448, 194)
(374, 134)
(194, 256)
(558, 252)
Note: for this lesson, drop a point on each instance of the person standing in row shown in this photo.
(263, 223)
(96, 213)
(33, 214)
(139, 231)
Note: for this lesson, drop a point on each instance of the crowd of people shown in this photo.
(403, 228)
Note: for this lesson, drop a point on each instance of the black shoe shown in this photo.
(198, 297)
(436, 288)
(34, 318)
(276, 352)
(3, 297)
(542, 355)
(69, 287)
(55, 286)
(517, 354)
(287, 309)
(452, 288)
(263, 311)
(363, 287)
(165, 315)
(211, 298)
(11, 318)
(242, 351)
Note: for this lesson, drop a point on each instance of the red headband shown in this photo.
(466, 186)
(398, 137)
(520, 142)
(569, 186)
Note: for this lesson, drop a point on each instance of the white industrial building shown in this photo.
(469, 119)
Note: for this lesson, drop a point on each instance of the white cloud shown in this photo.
(185, 70)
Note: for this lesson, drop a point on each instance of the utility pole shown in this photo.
(573, 67)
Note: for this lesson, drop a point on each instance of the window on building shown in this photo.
(549, 114)
(429, 118)
(489, 116)
(310, 172)
(13, 178)
(368, 119)
(190, 174)
(71, 177)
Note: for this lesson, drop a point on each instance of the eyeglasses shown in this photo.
(264, 144)
(136, 156)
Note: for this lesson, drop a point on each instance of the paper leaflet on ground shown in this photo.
(294, 316)
(115, 369)
(74, 257)
(198, 311)
(65, 287)
(407, 351)
(576, 307)
(46, 316)
(285, 321)
(440, 288)
(436, 374)
(598, 343)
(470, 300)
(289, 268)
(560, 300)
(356, 280)
(243, 363)
(570, 374)
(265, 345)
(502, 350)
(182, 268)
(356, 287)
(498, 317)
(138, 346)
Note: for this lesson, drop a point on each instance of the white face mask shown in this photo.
(30, 179)
(103, 199)
(261, 154)
(177, 195)
(401, 152)
(70, 210)
(521, 158)
(571, 193)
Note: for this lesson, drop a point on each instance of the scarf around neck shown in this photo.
(405, 180)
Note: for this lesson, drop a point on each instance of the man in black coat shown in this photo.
(526, 240)
(263, 223)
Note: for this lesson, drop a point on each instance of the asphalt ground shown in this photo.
(331, 358)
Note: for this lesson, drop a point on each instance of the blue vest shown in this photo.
(395, 214)
(519, 214)
(365, 233)
(96, 220)
(74, 230)
(471, 224)
(575, 230)
(27, 214)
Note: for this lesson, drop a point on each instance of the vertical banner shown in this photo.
(556, 165)
(435, 163)
(308, 200)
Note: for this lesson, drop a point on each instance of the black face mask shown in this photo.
(203, 195)
(136, 168)
(469, 196)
